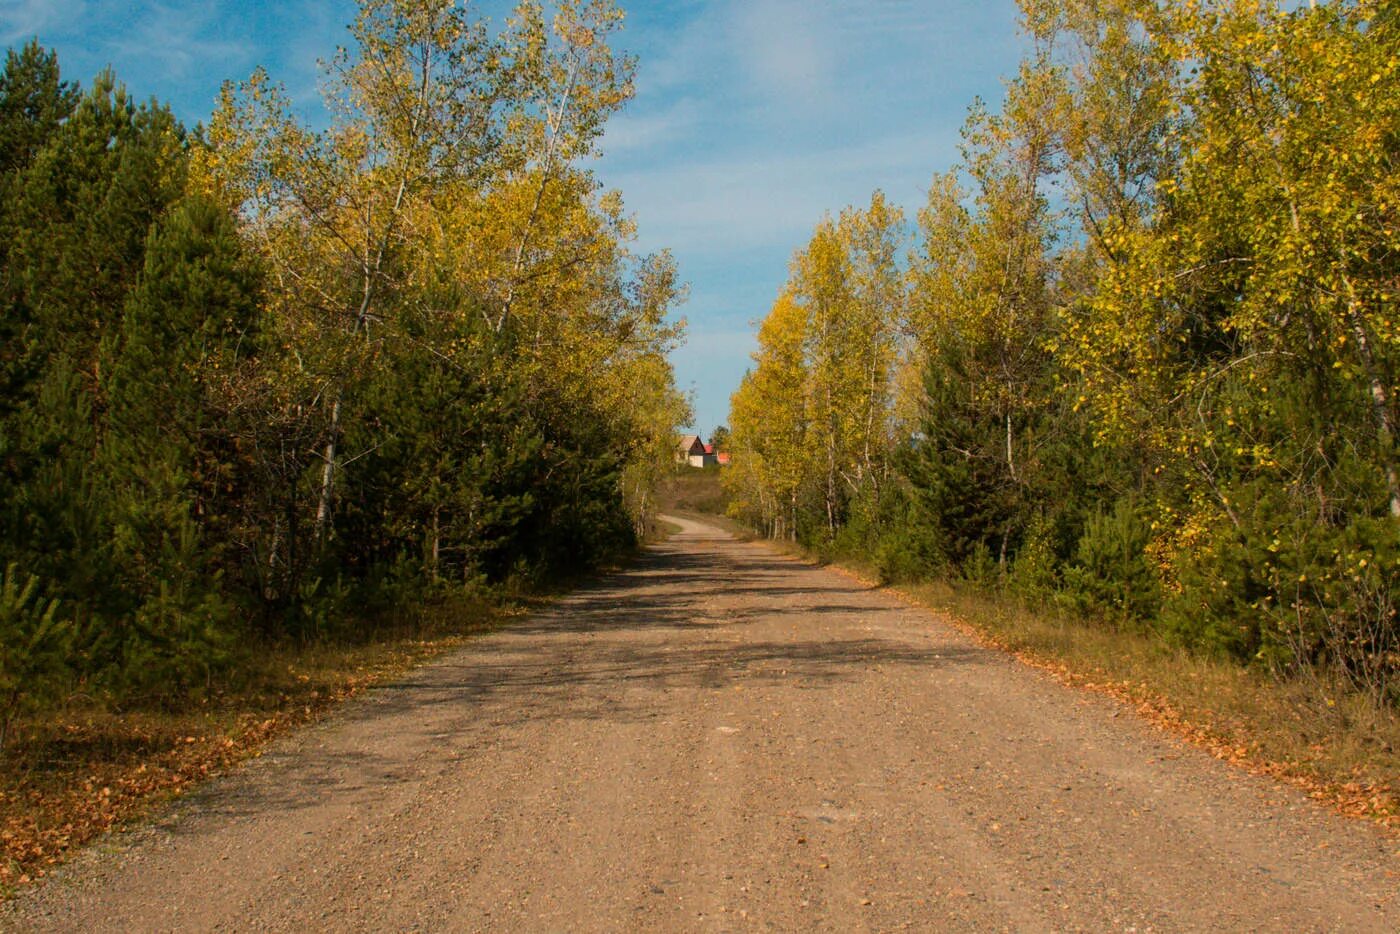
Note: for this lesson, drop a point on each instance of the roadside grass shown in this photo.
(696, 493)
(663, 530)
(737, 529)
(1308, 731)
(693, 489)
(76, 772)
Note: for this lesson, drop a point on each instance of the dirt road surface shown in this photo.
(725, 739)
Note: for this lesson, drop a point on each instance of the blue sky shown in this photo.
(752, 117)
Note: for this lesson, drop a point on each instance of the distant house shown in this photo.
(691, 450)
(688, 449)
(722, 458)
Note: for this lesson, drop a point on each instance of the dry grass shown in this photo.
(691, 489)
(741, 532)
(75, 774)
(78, 772)
(1308, 732)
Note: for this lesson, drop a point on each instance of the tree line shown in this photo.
(260, 380)
(1138, 355)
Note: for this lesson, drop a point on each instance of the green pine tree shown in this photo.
(167, 465)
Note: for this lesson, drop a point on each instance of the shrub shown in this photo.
(1110, 571)
(1293, 585)
(979, 568)
(35, 647)
(1034, 573)
(908, 552)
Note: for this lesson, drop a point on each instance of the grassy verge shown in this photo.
(663, 530)
(78, 772)
(693, 489)
(740, 531)
(1307, 731)
(694, 493)
(1310, 732)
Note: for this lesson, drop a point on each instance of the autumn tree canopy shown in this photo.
(1142, 355)
(318, 374)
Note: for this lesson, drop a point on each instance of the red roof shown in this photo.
(723, 458)
(709, 449)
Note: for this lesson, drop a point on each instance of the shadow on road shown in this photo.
(691, 621)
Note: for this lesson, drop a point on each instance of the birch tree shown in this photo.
(430, 108)
(768, 426)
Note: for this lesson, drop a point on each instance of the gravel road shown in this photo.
(725, 739)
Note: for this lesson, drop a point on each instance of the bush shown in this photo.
(1111, 572)
(1034, 573)
(980, 569)
(1293, 585)
(1225, 583)
(35, 647)
(908, 552)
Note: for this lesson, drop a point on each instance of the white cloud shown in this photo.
(322, 29)
(748, 198)
(685, 53)
(754, 117)
(881, 20)
(711, 343)
(21, 20)
(787, 47)
(183, 39)
(632, 131)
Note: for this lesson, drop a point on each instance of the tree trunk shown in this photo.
(323, 504)
(1010, 459)
(437, 540)
(1380, 402)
